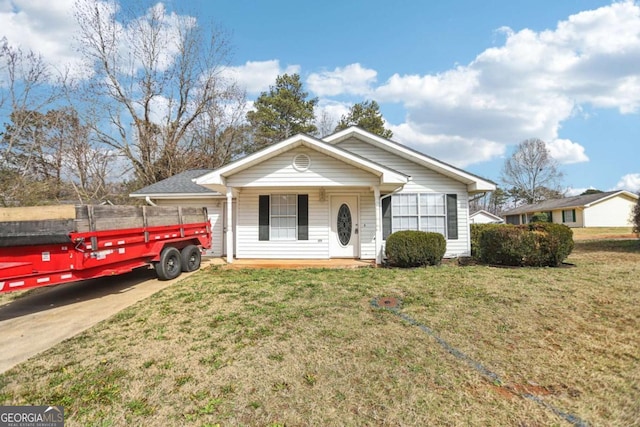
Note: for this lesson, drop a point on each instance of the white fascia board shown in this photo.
(610, 196)
(486, 213)
(217, 178)
(474, 183)
(481, 186)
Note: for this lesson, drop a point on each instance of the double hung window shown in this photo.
(430, 212)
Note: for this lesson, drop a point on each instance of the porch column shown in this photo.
(230, 247)
(376, 203)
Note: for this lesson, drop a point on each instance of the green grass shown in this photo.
(306, 347)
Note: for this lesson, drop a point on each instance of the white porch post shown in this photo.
(230, 247)
(376, 202)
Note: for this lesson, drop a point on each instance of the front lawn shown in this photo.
(307, 347)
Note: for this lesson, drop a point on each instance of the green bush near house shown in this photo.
(476, 232)
(412, 248)
(537, 244)
(540, 217)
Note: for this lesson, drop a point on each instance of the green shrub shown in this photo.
(554, 243)
(476, 232)
(502, 245)
(537, 244)
(540, 217)
(412, 248)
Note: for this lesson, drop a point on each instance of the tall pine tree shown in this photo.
(282, 112)
(367, 116)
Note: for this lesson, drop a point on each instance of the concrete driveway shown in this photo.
(42, 319)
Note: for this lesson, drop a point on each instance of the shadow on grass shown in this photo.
(621, 245)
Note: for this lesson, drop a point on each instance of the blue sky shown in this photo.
(463, 81)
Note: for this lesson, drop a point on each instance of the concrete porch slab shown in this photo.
(294, 263)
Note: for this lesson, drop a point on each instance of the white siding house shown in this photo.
(484, 217)
(339, 197)
(610, 209)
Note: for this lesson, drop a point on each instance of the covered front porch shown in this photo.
(303, 199)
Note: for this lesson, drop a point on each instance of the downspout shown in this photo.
(395, 191)
(478, 196)
(148, 200)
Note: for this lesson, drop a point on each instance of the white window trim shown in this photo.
(419, 213)
(272, 229)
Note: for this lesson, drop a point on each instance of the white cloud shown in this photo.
(525, 88)
(334, 109)
(352, 79)
(566, 151)
(257, 76)
(629, 182)
(45, 27)
(570, 192)
(451, 149)
(49, 28)
(170, 26)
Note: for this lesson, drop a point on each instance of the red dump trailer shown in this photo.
(102, 241)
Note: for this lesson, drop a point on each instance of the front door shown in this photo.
(345, 241)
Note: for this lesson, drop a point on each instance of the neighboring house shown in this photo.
(610, 209)
(484, 217)
(339, 197)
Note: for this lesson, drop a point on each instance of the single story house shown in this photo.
(337, 197)
(609, 209)
(484, 217)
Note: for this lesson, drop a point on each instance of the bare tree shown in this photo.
(532, 172)
(220, 135)
(85, 165)
(27, 87)
(325, 124)
(156, 74)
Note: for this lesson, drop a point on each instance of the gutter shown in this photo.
(396, 190)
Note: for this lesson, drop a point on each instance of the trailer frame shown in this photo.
(98, 253)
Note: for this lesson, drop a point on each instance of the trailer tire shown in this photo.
(170, 264)
(191, 258)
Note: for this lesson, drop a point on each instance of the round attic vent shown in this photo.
(301, 162)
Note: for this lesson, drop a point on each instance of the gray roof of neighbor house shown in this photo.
(567, 202)
(178, 184)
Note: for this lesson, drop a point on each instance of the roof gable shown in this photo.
(475, 184)
(217, 178)
(488, 214)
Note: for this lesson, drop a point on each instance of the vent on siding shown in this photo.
(301, 162)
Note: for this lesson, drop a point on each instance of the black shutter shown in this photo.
(303, 217)
(263, 218)
(452, 216)
(386, 217)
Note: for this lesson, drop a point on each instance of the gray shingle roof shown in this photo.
(178, 184)
(554, 204)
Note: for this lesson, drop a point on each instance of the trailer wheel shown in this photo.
(191, 258)
(170, 265)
